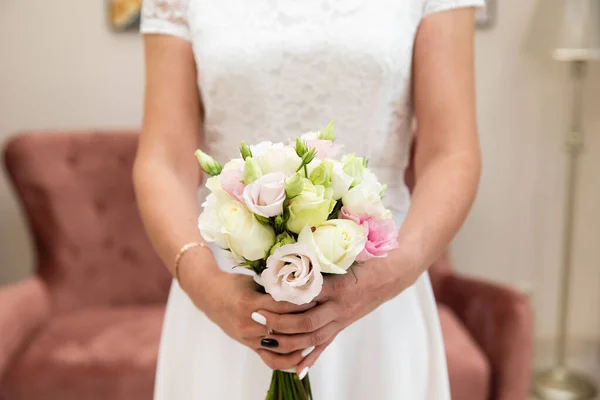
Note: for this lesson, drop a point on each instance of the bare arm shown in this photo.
(447, 157)
(166, 174)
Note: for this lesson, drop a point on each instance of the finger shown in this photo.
(308, 321)
(332, 284)
(306, 364)
(266, 302)
(305, 343)
(280, 361)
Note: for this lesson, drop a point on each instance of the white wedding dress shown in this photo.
(271, 70)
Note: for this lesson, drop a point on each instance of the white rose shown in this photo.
(370, 182)
(209, 223)
(261, 148)
(365, 198)
(340, 181)
(293, 274)
(336, 243)
(246, 236)
(359, 201)
(278, 158)
(265, 196)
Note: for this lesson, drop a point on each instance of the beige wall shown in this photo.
(60, 67)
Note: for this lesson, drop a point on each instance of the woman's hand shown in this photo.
(343, 300)
(230, 300)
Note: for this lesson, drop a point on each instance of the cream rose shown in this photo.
(311, 207)
(336, 243)
(246, 237)
(266, 195)
(211, 227)
(293, 274)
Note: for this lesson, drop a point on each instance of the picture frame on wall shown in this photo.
(124, 15)
(486, 16)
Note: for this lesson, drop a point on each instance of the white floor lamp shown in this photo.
(578, 44)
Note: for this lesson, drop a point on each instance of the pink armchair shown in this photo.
(87, 325)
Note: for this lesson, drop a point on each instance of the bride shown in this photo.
(218, 72)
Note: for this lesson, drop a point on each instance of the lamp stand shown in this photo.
(560, 382)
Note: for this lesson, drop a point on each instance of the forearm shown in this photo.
(168, 206)
(445, 190)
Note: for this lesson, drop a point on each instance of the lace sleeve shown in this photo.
(168, 17)
(432, 6)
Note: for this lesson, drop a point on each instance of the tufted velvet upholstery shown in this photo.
(77, 194)
(87, 325)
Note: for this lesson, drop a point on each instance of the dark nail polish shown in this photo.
(270, 343)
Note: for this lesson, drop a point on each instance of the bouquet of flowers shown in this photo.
(292, 213)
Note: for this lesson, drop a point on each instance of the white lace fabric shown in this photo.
(165, 17)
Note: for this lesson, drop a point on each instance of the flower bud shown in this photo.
(245, 151)
(281, 240)
(321, 175)
(301, 148)
(251, 171)
(294, 186)
(327, 133)
(208, 164)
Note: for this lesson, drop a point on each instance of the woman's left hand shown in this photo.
(343, 300)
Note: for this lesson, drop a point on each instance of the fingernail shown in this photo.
(303, 373)
(307, 351)
(270, 343)
(259, 318)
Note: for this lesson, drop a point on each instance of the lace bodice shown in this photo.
(274, 69)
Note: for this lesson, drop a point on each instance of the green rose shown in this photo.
(311, 207)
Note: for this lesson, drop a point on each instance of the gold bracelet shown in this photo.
(184, 249)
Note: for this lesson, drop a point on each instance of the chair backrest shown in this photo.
(77, 192)
(441, 268)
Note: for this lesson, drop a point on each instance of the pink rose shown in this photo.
(382, 234)
(293, 274)
(325, 148)
(231, 181)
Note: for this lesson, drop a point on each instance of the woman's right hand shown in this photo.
(230, 300)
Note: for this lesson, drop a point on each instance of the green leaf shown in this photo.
(336, 210)
(262, 220)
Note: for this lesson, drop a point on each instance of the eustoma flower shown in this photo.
(293, 274)
(325, 148)
(382, 235)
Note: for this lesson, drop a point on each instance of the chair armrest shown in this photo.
(24, 307)
(500, 321)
